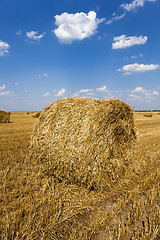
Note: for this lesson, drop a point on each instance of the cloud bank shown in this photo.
(123, 41)
(138, 68)
(76, 26)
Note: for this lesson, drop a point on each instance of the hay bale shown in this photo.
(147, 114)
(84, 140)
(4, 117)
(36, 115)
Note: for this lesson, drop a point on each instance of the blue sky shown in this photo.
(53, 49)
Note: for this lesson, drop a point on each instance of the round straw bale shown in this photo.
(4, 117)
(36, 115)
(84, 140)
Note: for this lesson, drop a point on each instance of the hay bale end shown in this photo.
(84, 140)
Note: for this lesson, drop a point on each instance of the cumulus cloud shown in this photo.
(76, 26)
(138, 89)
(2, 87)
(116, 18)
(138, 68)
(102, 89)
(135, 4)
(123, 41)
(61, 92)
(46, 94)
(33, 35)
(4, 47)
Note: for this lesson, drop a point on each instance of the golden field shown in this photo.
(36, 206)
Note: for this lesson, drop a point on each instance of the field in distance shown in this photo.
(36, 206)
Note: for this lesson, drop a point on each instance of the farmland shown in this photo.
(37, 206)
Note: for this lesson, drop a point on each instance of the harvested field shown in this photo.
(34, 205)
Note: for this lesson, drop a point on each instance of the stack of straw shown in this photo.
(84, 140)
(4, 117)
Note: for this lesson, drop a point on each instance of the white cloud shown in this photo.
(33, 35)
(138, 68)
(88, 91)
(139, 93)
(46, 94)
(19, 32)
(4, 47)
(2, 87)
(138, 89)
(102, 89)
(45, 74)
(135, 97)
(61, 92)
(85, 90)
(7, 93)
(135, 4)
(116, 18)
(155, 93)
(76, 26)
(124, 42)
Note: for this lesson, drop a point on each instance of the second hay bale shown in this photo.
(4, 117)
(147, 114)
(84, 140)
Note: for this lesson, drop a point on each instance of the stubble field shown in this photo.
(36, 206)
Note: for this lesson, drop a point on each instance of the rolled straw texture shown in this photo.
(84, 140)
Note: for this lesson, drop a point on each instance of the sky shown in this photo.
(53, 49)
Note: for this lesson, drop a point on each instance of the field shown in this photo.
(36, 206)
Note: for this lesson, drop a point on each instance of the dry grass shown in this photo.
(36, 206)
